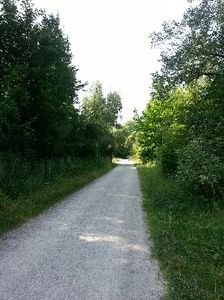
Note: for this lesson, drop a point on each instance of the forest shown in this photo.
(46, 133)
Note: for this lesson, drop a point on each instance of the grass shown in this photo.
(187, 234)
(15, 211)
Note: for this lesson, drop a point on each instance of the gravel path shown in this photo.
(90, 246)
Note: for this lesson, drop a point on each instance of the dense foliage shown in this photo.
(191, 48)
(124, 139)
(101, 115)
(41, 130)
(183, 124)
(38, 84)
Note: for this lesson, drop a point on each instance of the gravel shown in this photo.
(92, 245)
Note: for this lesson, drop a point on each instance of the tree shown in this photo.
(101, 114)
(192, 47)
(94, 106)
(38, 84)
(182, 127)
(53, 90)
(106, 109)
(124, 139)
(113, 108)
(15, 43)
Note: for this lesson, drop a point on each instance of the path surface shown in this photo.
(91, 246)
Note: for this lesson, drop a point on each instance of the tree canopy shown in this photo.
(101, 114)
(38, 84)
(192, 47)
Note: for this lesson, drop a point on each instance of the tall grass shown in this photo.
(20, 176)
(188, 236)
(28, 187)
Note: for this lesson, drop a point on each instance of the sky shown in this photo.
(110, 42)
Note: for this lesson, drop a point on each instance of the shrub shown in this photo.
(201, 168)
(168, 159)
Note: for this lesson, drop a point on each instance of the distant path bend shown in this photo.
(92, 245)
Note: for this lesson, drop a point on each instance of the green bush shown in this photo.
(184, 133)
(168, 159)
(202, 169)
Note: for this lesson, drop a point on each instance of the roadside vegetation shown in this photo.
(180, 140)
(38, 192)
(48, 146)
(187, 234)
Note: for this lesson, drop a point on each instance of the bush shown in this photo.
(202, 169)
(168, 160)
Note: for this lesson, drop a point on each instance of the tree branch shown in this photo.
(211, 74)
(217, 54)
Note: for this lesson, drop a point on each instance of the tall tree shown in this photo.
(192, 47)
(113, 108)
(38, 84)
(101, 114)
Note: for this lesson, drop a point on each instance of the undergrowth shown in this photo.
(188, 236)
(37, 194)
